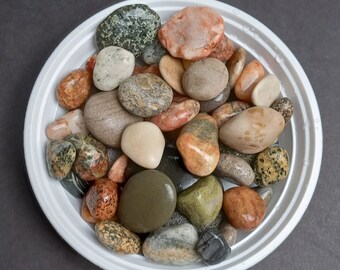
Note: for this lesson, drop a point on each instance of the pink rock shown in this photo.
(116, 173)
(224, 50)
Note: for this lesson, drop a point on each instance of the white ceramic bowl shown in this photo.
(302, 138)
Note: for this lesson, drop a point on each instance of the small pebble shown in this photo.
(229, 233)
(212, 104)
(116, 172)
(266, 193)
(85, 213)
(266, 91)
(74, 185)
(224, 50)
(285, 107)
(153, 54)
(172, 71)
(235, 65)
(249, 158)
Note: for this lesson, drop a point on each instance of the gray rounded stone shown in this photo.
(210, 105)
(153, 54)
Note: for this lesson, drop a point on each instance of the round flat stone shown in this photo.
(147, 201)
(266, 91)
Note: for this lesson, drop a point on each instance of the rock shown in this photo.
(187, 63)
(285, 107)
(70, 123)
(172, 71)
(153, 54)
(74, 185)
(177, 218)
(250, 76)
(198, 145)
(113, 154)
(117, 238)
(252, 130)
(145, 95)
(153, 69)
(223, 113)
(266, 193)
(214, 224)
(249, 158)
(90, 63)
(113, 66)
(132, 27)
(177, 115)
(147, 201)
(236, 168)
(266, 91)
(212, 247)
(192, 33)
(106, 119)
(229, 233)
(271, 165)
(212, 104)
(205, 79)
(243, 207)
(74, 89)
(85, 213)
(102, 199)
(60, 156)
(201, 202)
(117, 170)
(144, 143)
(224, 50)
(235, 65)
(172, 245)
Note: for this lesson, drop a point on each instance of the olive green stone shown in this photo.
(201, 202)
(147, 202)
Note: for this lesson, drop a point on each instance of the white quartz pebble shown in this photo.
(266, 91)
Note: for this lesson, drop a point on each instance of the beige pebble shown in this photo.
(235, 65)
(266, 91)
(172, 70)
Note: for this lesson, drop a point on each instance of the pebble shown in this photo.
(102, 199)
(172, 245)
(153, 54)
(229, 233)
(117, 238)
(224, 50)
(147, 201)
(266, 193)
(145, 95)
(153, 69)
(90, 63)
(172, 71)
(285, 107)
(250, 76)
(271, 165)
(116, 172)
(74, 89)
(187, 63)
(74, 185)
(202, 201)
(212, 104)
(198, 145)
(192, 33)
(113, 154)
(212, 247)
(235, 65)
(144, 143)
(249, 158)
(266, 91)
(236, 168)
(132, 27)
(85, 213)
(205, 79)
(244, 208)
(252, 130)
(70, 123)
(106, 119)
(177, 115)
(113, 66)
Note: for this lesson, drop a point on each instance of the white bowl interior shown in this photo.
(302, 138)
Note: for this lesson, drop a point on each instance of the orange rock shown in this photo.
(90, 63)
(224, 50)
(85, 213)
(116, 173)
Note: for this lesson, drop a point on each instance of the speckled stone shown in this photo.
(74, 185)
(132, 27)
(285, 107)
(249, 158)
(172, 245)
(153, 54)
(117, 238)
(271, 165)
(145, 95)
(212, 104)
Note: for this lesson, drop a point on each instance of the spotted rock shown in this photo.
(285, 107)
(153, 54)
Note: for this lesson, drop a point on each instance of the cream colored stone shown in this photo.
(172, 70)
(266, 91)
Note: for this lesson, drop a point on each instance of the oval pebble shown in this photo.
(266, 91)
(113, 66)
(285, 107)
(85, 213)
(74, 185)
(172, 71)
(212, 104)
(116, 172)
(235, 65)
(224, 50)
(153, 54)
(229, 233)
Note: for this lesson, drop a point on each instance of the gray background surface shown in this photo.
(31, 30)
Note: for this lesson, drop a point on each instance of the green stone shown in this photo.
(132, 27)
(201, 202)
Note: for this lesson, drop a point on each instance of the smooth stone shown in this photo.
(198, 145)
(236, 168)
(271, 165)
(172, 71)
(60, 156)
(250, 76)
(145, 95)
(192, 33)
(85, 213)
(74, 185)
(224, 112)
(235, 65)
(172, 245)
(244, 208)
(113, 66)
(224, 50)
(177, 115)
(144, 143)
(229, 233)
(132, 27)
(201, 202)
(266, 193)
(106, 119)
(153, 69)
(212, 247)
(113, 154)
(205, 79)
(187, 63)
(117, 238)
(153, 54)
(147, 201)
(212, 104)
(70, 123)
(117, 170)
(249, 158)
(266, 91)
(252, 130)
(285, 107)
